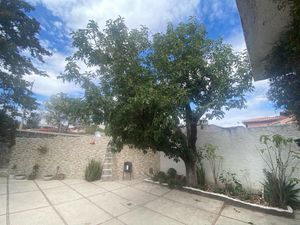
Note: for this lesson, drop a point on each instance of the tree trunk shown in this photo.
(190, 157)
(59, 128)
(191, 173)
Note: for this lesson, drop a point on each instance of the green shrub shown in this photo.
(172, 179)
(273, 194)
(282, 161)
(201, 176)
(34, 172)
(161, 177)
(232, 185)
(171, 172)
(171, 183)
(93, 171)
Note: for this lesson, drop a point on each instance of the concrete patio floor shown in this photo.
(77, 202)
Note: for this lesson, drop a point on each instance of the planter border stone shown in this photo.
(20, 176)
(48, 177)
(289, 212)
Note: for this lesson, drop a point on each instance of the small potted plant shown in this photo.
(48, 177)
(59, 176)
(34, 172)
(13, 171)
(20, 176)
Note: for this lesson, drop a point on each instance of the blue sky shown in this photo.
(60, 17)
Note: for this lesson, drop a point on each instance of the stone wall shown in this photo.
(239, 147)
(72, 154)
(4, 154)
(141, 163)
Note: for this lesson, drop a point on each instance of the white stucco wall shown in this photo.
(166, 163)
(239, 147)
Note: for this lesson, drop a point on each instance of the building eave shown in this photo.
(262, 24)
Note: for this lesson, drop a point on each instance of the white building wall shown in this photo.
(239, 147)
(166, 163)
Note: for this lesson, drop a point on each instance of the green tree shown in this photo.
(61, 109)
(33, 121)
(149, 88)
(283, 64)
(18, 46)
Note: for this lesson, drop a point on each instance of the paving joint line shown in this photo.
(205, 210)
(137, 205)
(7, 201)
(90, 201)
(26, 210)
(219, 214)
(242, 221)
(21, 192)
(164, 215)
(50, 203)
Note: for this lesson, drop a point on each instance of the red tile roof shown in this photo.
(269, 121)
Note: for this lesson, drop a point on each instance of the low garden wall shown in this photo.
(141, 163)
(72, 154)
(239, 147)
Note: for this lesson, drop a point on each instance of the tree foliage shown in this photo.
(283, 64)
(61, 109)
(33, 121)
(19, 44)
(7, 129)
(144, 88)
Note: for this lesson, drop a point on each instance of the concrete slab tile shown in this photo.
(136, 196)
(43, 216)
(254, 217)
(276, 220)
(159, 191)
(17, 186)
(2, 204)
(183, 213)
(113, 222)
(152, 188)
(26, 200)
(130, 182)
(49, 184)
(227, 221)
(241, 214)
(211, 205)
(61, 194)
(143, 216)
(88, 189)
(3, 189)
(82, 212)
(73, 181)
(297, 214)
(3, 180)
(110, 203)
(109, 185)
(2, 220)
(144, 186)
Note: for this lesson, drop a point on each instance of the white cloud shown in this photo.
(47, 86)
(258, 105)
(237, 40)
(154, 14)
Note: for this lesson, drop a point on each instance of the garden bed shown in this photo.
(289, 212)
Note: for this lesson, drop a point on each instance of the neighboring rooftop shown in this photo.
(262, 23)
(269, 121)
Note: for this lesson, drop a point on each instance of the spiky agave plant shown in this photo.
(93, 170)
(280, 193)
